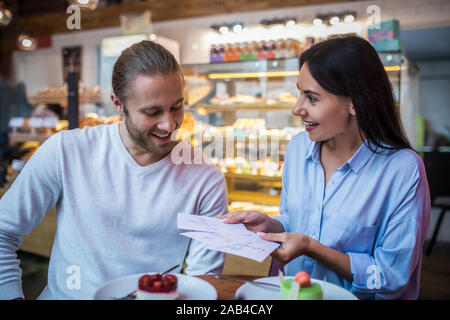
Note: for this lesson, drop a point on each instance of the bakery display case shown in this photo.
(243, 108)
(404, 77)
(43, 122)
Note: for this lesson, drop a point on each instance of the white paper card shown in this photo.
(208, 224)
(230, 238)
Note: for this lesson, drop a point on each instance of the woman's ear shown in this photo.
(117, 104)
(351, 109)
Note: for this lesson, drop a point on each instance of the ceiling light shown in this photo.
(26, 42)
(290, 23)
(5, 15)
(88, 4)
(317, 22)
(223, 29)
(334, 20)
(237, 28)
(349, 18)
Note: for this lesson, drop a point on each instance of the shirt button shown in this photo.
(314, 236)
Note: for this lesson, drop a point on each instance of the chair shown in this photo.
(437, 165)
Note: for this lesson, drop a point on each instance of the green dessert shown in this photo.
(307, 290)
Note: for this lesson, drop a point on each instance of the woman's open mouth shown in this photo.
(310, 126)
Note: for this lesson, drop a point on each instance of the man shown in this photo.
(116, 189)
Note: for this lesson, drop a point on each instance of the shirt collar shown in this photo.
(360, 157)
(356, 162)
(314, 151)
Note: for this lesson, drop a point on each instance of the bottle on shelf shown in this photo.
(221, 53)
(236, 54)
(245, 52)
(228, 56)
(262, 51)
(213, 54)
(254, 48)
(281, 51)
(271, 49)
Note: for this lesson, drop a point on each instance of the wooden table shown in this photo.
(226, 289)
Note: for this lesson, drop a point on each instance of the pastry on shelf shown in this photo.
(287, 97)
(241, 165)
(247, 127)
(242, 98)
(197, 87)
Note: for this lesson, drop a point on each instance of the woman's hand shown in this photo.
(293, 245)
(296, 244)
(254, 221)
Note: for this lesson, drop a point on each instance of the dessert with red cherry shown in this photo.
(157, 287)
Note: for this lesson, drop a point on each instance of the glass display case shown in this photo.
(243, 108)
(404, 77)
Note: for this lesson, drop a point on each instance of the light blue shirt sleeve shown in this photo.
(397, 255)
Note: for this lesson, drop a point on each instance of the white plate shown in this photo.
(189, 288)
(260, 292)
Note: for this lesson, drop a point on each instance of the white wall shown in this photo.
(39, 69)
(42, 68)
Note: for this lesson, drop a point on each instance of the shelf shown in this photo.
(209, 108)
(252, 196)
(256, 177)
(246, 139)
(22, 137)
(62, 99)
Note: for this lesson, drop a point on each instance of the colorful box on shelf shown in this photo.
(386, 37)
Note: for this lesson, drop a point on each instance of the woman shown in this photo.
(355, 204)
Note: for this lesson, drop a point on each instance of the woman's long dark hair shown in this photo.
(349, 66)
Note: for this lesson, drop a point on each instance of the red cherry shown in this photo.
(172, 278)
(157, 277)
(303, 279)
(157, 286)
(145, 282)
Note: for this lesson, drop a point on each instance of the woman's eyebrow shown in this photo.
(307, 91)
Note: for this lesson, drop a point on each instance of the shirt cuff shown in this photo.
(367, 277)
(11, 290)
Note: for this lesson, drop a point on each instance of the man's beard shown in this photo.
(142, 139)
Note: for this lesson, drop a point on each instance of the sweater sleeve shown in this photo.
(35, 191)
(201, 260)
